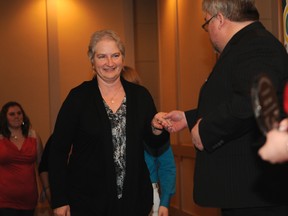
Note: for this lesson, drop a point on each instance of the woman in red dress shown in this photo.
(20, 148)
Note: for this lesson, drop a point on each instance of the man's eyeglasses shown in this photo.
(204, 26)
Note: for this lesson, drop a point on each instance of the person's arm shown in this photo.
(44, 177)
(39, 149)
(152, 137)
(43, 170)
(196, 139)
(153, 164)
(167, 176)
(65, 128)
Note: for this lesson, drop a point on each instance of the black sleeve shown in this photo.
(43, 166)
(153, 141)
(191, 118)
(65, 129)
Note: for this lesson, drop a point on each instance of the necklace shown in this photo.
(14, 137)
(112, 99)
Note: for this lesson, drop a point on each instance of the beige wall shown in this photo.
(146, 45)
(44, 46)
(23, 59)
(270, 16)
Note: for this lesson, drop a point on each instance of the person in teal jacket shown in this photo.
(162, 170)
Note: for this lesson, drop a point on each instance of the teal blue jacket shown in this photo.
(163, 171)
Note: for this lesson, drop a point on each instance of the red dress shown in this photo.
(18, 186)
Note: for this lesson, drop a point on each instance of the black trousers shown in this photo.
(15, 212)
(261, 211)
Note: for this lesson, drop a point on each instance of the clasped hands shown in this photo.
(175, 121)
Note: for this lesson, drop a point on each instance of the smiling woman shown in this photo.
(106, 53)
(107, 120)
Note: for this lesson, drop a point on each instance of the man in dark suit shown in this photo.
(229, 174)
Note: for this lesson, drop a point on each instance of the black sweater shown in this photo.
(89, 179)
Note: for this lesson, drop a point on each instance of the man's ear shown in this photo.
(221, 19)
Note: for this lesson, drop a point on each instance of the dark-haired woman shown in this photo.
(20, 149)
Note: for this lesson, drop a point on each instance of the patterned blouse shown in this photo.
(118, 127)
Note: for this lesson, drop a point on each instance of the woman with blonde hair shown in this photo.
(107, 120)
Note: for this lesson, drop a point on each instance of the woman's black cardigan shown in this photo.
(89, 176)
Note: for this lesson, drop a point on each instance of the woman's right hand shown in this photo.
(62, 211)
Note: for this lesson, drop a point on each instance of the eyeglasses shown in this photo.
(204, 26)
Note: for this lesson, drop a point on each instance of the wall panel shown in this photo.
(23, 59)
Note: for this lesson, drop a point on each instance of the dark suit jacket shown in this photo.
(229, 173)
(88, 183)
